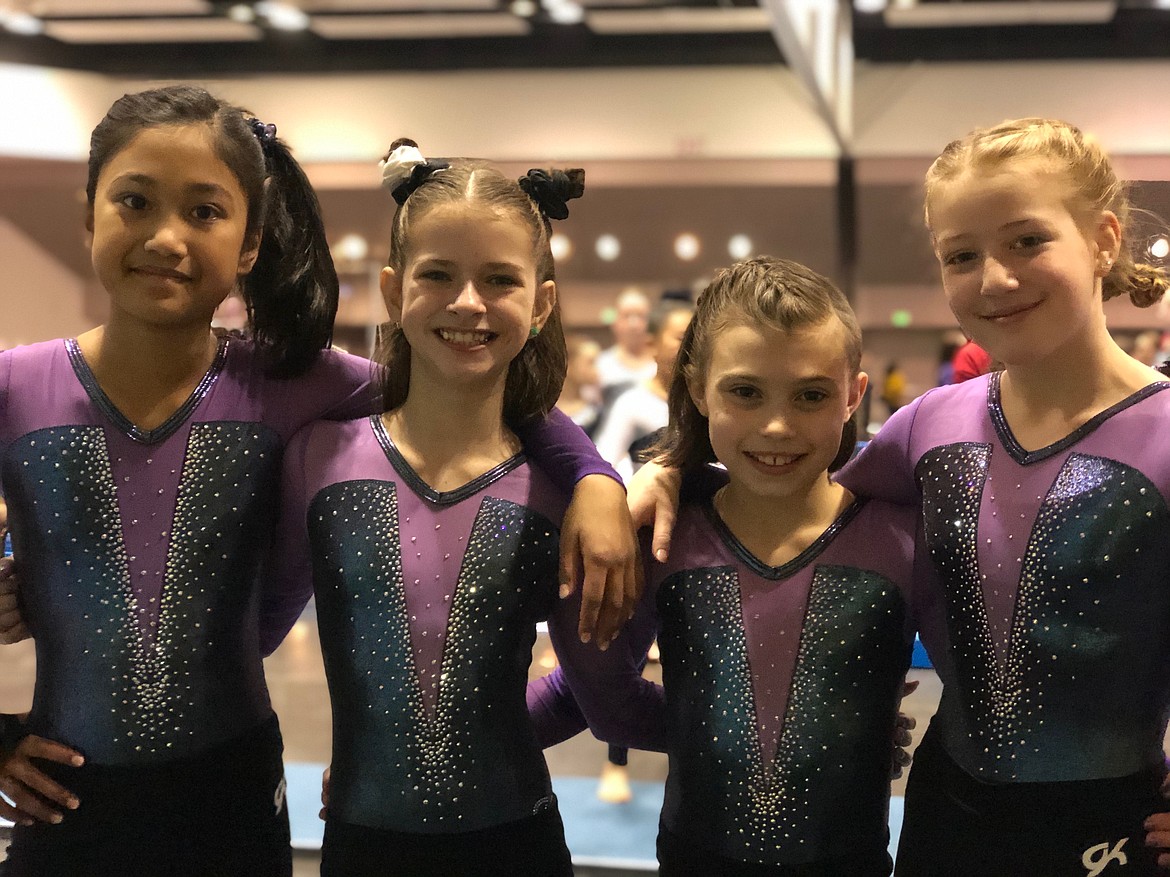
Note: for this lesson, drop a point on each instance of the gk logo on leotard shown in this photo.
(282, 788)
(1097, 859)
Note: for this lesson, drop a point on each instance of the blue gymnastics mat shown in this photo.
(599, 835)
(919, 658)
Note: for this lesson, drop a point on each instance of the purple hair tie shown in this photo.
(264, 133)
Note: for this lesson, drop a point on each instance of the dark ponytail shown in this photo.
(291, 292)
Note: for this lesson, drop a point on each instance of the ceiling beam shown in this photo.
(816, 38)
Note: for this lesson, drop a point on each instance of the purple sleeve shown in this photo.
(562, 449)
(884, 469)
(553, 710)
(338, 386)
(290, 584)
(619, 705)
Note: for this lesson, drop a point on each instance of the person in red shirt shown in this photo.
(970, 361)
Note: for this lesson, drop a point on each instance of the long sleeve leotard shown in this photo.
(1045, 605)
(781, 685)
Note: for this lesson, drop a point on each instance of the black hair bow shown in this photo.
(552, 190)
(419, 174)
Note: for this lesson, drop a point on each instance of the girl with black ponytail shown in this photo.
(141, 467)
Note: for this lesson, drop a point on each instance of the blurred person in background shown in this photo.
(630, 427)
(970, 361)
(630, 359)
(580, 395)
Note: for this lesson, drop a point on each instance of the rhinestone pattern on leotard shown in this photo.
(1091, 598)
(473, 762)
(124, 679)
(834, 747)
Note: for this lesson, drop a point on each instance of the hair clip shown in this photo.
(264, 133)
(405, 169)
(552, 190)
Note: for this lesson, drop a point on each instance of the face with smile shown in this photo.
(776, 403)
(168, 226)
(1022, 276)
(467, 295)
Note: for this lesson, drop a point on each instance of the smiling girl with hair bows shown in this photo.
(140, 464)
(432, 539)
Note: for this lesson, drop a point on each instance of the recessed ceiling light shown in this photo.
(352, 247)
(561, 246)
(242, 12)
(740, 246)
(686, 246)
(608, 248)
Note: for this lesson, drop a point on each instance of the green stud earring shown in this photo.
(533, 331)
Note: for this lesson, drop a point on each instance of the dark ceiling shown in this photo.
(420, 34)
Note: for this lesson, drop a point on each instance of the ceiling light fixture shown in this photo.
(352, 247)
(740, 246)
(608, 248)
(561, 246)
(564, 11)
(686, 246)
(283, 16)
(242, 13)
(22, 23)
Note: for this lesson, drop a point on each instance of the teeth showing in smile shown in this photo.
(773, 459)
(469, 338)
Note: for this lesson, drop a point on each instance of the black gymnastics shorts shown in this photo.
(219, 814)
(958, 826)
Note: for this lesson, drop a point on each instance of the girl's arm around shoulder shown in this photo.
(891, 547)
(5, 374)
(338, 386)
(289, 583)
(884, 469)
(619, 705)
(598, 547)
(563, 450)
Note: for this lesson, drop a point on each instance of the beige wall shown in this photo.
(39, 297)
(683, 124)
